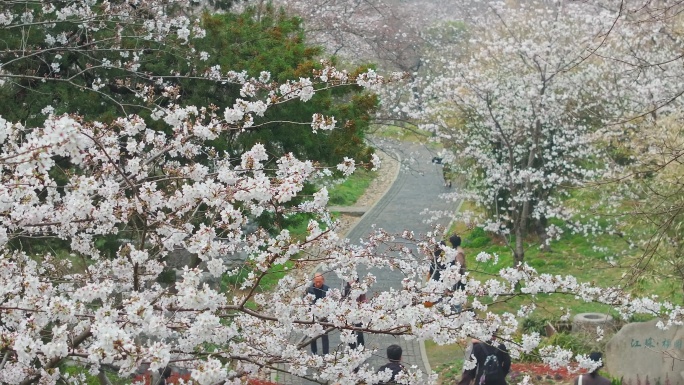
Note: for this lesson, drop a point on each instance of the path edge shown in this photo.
(382, 196)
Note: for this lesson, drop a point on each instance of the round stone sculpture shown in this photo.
(588, 322)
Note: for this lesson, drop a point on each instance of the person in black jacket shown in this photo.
(394, 364)
(437, 266)
(319, 290)
(165, 374)
(491, 358)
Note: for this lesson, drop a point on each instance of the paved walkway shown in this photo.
(417, 187)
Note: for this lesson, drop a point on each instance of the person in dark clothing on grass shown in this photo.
(319, 290)
(166, 373)
(394, 364)
(455, 241)
(493, 364)
(437, 265)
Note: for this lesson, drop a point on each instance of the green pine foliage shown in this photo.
(253, 41)
(274, 42)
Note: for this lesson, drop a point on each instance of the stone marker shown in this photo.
(179, 258)
(641, 349)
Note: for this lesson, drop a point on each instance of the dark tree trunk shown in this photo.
(541, 232)
(519, 250)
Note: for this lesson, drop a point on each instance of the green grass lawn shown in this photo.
(604, 260)
(351, 189)
(404, 134)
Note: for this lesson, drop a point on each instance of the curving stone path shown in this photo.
(417, 187)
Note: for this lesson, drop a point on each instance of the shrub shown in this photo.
(476, 239)
(578, 343)
(531, 325)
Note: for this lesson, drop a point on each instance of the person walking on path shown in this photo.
(319, 290)
(593, 378)
(493, 362)
(437, 265)
(394, 365)
(359, 300)
(447, 174)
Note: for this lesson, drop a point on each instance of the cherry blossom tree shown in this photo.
(650, 148)
(165, 186)
(532, 107)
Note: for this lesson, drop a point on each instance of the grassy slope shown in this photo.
(602, 260)
(349, 191)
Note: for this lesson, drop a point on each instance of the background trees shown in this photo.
(534, 105)
(363, 31)
(266, 39)
(650, 208)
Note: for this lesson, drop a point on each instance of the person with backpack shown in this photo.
(394, 365)
(493, 364)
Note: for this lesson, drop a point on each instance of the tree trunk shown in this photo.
(519, 250)
(541, 232)
(520, 230)
(103, 378)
